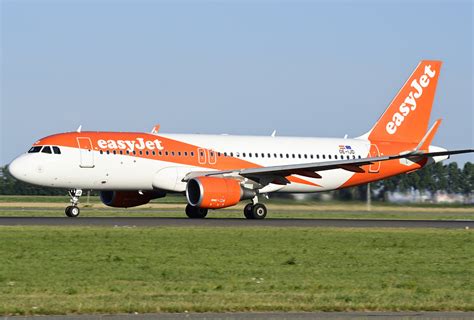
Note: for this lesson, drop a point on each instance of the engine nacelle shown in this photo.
(215, 193)
(127, 199)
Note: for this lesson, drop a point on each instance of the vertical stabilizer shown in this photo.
(406, 118)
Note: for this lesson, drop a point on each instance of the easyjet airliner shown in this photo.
(219, 171)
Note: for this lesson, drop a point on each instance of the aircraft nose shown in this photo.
(18, 168)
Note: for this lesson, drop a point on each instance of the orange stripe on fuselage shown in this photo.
(168, 145)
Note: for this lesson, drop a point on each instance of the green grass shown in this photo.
(51, 270)
(181, 199)
(274, 213)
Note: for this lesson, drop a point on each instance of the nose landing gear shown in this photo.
(73, 210)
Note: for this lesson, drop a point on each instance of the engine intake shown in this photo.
(214, 193)
(127, 199)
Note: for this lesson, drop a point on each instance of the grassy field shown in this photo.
(48, 270)
(174, 207)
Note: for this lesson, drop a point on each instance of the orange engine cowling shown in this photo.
(215, 193)
(127, 199)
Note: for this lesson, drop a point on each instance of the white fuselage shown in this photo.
(102, 170)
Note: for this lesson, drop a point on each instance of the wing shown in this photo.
(277, 174)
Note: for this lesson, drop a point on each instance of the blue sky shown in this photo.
(307, 68)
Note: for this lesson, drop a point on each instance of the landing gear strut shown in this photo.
(195, 212)
(255, 210)
(73, 210)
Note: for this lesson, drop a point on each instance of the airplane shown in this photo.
(218, 171)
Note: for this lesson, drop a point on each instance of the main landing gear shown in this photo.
(73, 210)
(195, 212)
(255, 211)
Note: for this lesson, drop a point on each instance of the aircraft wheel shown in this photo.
(259, 211)
(248, 211)
(195, 212)
(72, 211)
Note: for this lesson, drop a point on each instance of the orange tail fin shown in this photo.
(406, 118)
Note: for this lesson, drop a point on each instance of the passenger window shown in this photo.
(256, 155)
(134, 152)
(153, 152)
(275, 155)
(263, 155)
(324, 156)
(121, 152)
(293, 155)
(46, 149)
(269, 155)
(243, 154)
(225, 154)
(287, 155)
(172, 153)
(329, 156)
(166, 153)
(115, 152)
(108, 152)
(56, 150)
(185, 153)
(231, 154)
(299, 155)
(250, 155)
(160, 153)
(192, 153)
(128, 151)
(179, 153)
(281, 155)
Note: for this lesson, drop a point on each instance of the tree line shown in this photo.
(449, 178)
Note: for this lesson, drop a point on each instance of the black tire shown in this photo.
(72, 211)
(259, 211)
(195, 212)
(248, 211)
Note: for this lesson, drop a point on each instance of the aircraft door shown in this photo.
(212, 157)
(86, 152)
(374, 152)
(201, 156)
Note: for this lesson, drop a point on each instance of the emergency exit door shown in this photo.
(374, 152)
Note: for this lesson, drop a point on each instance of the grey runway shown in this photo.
(231, 222)
(262, 315)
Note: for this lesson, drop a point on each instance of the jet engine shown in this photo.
(215, 193)
(127, 199)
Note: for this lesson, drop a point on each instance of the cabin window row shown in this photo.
(236, 154)
(154, 153)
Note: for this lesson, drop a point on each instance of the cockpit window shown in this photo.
(46, 149)
(56, 150)
(34, 149)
